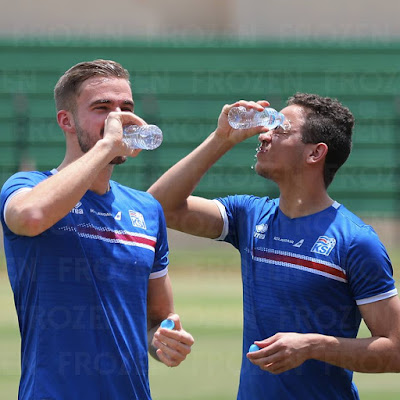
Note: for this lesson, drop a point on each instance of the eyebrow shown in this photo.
(105, 101)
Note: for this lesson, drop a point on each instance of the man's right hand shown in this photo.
(113, 132)
(225, 131)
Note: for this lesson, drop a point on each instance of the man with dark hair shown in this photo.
(311, 269)
(329, 122)
(87, 257)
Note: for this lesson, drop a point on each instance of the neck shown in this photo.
(301, 200)
(101, 183)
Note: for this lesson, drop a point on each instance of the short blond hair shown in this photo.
(68, 86)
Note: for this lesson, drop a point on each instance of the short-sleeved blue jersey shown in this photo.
(80, 290)
(305, 275)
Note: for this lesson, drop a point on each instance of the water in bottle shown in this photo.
(147, 137)
(241, 118)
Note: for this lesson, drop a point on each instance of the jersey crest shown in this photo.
(137, 219)
(324, 245)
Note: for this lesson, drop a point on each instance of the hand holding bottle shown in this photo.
(241, 118)
(146, 137)
(230, 135)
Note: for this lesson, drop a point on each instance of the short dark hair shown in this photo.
(327, 121)
(68, 86)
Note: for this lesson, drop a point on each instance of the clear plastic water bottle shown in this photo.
(147, 137)
(241, 118)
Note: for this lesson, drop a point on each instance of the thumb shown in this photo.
(177, 321)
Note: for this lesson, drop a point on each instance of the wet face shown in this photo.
(98, 97)
(281, 154)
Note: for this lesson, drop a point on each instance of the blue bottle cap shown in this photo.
(168, 324)
(253, 347)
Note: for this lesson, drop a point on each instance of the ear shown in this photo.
(317, 153)
(66, 121)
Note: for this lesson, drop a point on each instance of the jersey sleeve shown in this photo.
(235, 213)
(19, 182)
(161, 261)
(369, 267)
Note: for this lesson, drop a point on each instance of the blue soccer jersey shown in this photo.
(80, 291)
(305, 275)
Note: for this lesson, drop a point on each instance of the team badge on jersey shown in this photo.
(137, 219)
(260, 231)
(324, 245)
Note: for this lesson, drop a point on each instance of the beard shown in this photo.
(85, 143)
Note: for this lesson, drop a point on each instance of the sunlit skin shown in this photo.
(94, 144)
(298, 170)
(98, 97)
(101, 102)
(295, 166)
(281, 153)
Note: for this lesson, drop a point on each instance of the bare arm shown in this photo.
(31, 213)
(168, 346)
(379, 353)
(195, 215)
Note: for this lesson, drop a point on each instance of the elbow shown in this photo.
(395, 362)
(27, 223)
(395, 355)
(173, 220)
(390, 363)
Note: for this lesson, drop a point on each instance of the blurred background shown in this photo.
(187, 59)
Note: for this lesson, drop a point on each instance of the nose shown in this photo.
(265, 137)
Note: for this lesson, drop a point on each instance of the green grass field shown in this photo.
(208, 297)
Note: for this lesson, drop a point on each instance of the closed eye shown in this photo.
(279, 130)
(282, 129)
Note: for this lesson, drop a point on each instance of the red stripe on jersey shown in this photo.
(312, 264)
(127, 237)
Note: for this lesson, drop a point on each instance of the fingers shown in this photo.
(274, 365)
(125, 118)
(240, 127)
(116, 120)
(264, 103)
(113, 133)
(177, 321)
(270, 363)
(172, 351)
(271, 357)
(134, 152)
(171, 337)
(281, 352)
(253, 105)
(259, 105)
(174, 345)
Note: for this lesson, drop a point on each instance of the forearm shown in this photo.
(178, 183)
(151, 330)
(195, 215)
(53, 198)
(160, 305)
(370, 355)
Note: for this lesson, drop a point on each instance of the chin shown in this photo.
(259, 169)
(118, 160)
(262, 172)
